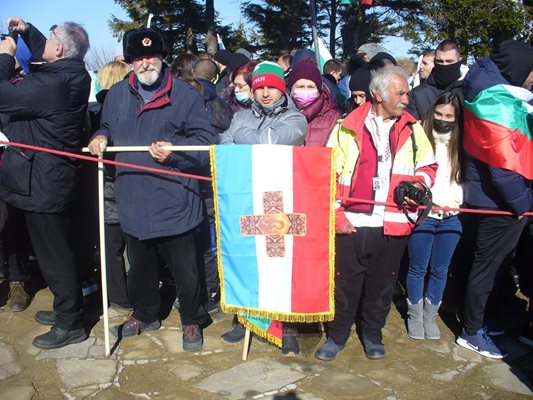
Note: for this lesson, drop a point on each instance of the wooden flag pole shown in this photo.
(246, 346)
(103, 264)
(115, 149)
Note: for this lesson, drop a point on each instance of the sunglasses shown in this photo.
(55, 34)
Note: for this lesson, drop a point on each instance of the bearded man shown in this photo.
(158, 213)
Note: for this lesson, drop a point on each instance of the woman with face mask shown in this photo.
(313, 99)
(239, 93)
(432, 243)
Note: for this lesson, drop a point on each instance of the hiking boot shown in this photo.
(192, 338)
(328, 351)
(45, 317)
(235, 335)
(58, 337)
(415, 324)
(133, 327)
(481, 343)
(17, 299)
(290, 346)
(373, 351)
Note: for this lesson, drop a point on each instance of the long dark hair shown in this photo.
(455, 149)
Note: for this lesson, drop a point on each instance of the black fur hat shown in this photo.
(143, 42)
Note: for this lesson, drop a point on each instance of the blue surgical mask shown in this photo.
(242, 97)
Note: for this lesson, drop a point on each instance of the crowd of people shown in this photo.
(392, 126)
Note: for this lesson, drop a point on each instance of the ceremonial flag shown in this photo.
(362, 2)
(497, 128)
(274, 210)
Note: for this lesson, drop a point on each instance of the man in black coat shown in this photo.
(47, 108)
(445, 76)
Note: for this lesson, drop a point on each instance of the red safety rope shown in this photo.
(206, 178)
(95, 159)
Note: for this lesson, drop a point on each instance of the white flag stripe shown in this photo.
(273, 271)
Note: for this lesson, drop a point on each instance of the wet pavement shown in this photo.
(154, 366)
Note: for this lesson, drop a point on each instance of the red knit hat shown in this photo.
(268, 74)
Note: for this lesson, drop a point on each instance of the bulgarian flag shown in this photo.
(274, 211)
(497, 128)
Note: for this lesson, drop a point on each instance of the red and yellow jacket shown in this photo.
(354, 180)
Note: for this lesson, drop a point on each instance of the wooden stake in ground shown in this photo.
(103, 265)
(246, 345)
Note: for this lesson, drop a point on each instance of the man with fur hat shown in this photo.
(149, 109)
(273, 119)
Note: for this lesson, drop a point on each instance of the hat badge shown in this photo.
(147, 42)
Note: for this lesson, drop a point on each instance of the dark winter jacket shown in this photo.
(152, 205)
(220, 113)
(486, 186)
(422, 97)
(321, 116)
(47, 108)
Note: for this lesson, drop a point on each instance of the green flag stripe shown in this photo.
(498, 105)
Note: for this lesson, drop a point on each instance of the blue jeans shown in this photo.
(431, 246)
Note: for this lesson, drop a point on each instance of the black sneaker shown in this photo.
(133, 327)
(58, 337)
(192, 338)
(45, 317)
(328, 351)
(235, 335)
(290, 346)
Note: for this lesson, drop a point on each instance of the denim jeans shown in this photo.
(431, 247)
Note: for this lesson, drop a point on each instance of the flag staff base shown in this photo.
(246, 346)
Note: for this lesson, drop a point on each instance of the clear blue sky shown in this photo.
(94, 14)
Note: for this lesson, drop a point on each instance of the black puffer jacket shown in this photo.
(47, 108)
(422, 97)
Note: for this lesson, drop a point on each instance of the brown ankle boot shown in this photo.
(18, 299)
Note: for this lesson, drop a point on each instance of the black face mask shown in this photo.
(444, 75)
(441, 126)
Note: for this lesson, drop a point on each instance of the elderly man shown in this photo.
(46, 108)
(158, 213)
(446, 76)
(377, 151)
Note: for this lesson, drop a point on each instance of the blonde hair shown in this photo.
(112, 73)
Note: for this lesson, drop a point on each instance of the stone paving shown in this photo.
(153, 366)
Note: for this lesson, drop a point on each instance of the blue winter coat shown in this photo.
(152, 205)
(486, 186)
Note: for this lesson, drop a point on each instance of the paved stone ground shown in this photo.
(153, 365)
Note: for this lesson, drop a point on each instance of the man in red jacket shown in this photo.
(377, 151)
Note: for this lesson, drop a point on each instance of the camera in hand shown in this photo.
(12, 34)
(409, 190)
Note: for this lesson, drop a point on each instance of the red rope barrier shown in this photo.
(95, 159)
(205, 178)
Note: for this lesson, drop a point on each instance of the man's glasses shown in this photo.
(55, 34)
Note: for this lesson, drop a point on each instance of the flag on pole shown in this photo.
(323, 52)
(220, 43)
(274, 212)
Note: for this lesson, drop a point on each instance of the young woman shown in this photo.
(432, 244)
